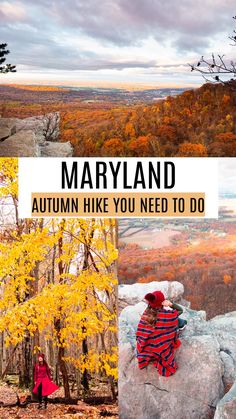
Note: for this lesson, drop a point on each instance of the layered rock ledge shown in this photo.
(36, 136)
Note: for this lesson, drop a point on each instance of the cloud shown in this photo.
(40, 50)
(112, 34)
(12, 12)
(123, 22)
(227, 175)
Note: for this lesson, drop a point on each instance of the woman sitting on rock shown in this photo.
(157, 335)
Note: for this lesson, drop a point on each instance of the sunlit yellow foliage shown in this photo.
(9, 177)
(78, 299)
(77, 302)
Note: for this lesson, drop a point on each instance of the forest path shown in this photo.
(58, 411)
(8, 396)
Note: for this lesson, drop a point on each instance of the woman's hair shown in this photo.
(150, 315)
(44, 363)
(42, 356)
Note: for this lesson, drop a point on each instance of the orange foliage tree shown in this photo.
(192, 150)
(140, 147)
(113, 147)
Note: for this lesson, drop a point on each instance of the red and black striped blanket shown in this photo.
(156, 343)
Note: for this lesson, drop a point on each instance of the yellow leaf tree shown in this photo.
(58, 291)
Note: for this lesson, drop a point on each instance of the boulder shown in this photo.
(50, 149)
(206, 366)
(37, 137)
(8, 123)
(193, 392)
(224, 328)
(21, 144)
(132, 294)
(226, 408)
(229, 375)
(7, 127)
(4, 133)
(46, 127)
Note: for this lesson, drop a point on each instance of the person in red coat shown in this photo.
(157, 335)
(43, 384)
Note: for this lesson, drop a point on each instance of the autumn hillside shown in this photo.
(196, 123)
(108, 122)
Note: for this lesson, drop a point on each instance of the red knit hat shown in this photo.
(155, 299)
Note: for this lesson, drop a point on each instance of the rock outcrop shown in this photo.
(33, 137)
(131, 294)
(50, 149)
(23, 143)
(203, 386)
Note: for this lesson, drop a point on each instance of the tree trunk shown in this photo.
(85, 380)
(64, 372)
(110, 379)
(11, 355)
(57, 322)
(25, 364)
(78, 382)
(1, 352)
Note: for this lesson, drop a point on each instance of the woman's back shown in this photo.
(157, 338)
(41, 370)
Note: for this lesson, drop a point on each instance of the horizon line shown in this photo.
(101, 84)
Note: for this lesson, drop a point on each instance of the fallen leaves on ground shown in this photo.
(8, 395)
(56, 411)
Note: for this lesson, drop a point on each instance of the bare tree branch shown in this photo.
(217, 69)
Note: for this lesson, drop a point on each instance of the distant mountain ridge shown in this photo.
(60, 92)
(227, 195)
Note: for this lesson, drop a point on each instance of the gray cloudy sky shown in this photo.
(140, 41)
(227, 175)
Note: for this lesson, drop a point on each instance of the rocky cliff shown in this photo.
(32, 137)
(204, 385)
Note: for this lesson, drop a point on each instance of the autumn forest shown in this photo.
(193, 123)
(200, 255)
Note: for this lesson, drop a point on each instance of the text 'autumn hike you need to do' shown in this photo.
(108, 177)
(118, 187)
